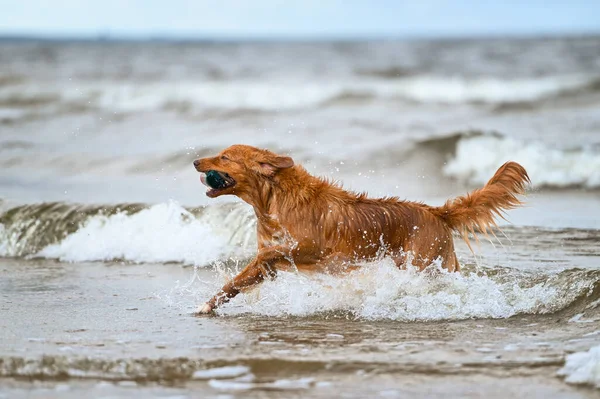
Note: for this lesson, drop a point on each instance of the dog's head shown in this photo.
(239, 169)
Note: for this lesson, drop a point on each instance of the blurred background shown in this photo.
(109, 101)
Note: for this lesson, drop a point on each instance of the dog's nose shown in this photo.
(196, 163)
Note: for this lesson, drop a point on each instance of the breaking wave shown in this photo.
(473, 157)
(276, 96)
(476, 158)
(136, 233)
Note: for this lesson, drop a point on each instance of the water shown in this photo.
(108, 242)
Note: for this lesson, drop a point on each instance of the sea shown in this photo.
(108, 242)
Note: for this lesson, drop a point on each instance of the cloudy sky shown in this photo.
(297, 18)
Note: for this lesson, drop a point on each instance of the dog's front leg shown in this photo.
(261, 267)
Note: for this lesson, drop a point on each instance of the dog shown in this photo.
(309, 223)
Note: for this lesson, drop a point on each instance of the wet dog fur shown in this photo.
(312, 224)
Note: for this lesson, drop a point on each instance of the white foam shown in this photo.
(5, 244)
(278, 95)
(221, 372)
(162, 233)
(478, 158)
(129, 97)
(583, 368)
(379, 290)
(459, 90)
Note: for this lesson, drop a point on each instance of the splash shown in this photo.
(381, 291)
(583, 368)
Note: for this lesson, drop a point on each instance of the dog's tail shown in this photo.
(478, 209)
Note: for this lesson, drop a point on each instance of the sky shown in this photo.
(275, 19)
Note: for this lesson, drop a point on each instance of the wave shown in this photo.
(170, 233)
(222, 374)
(591, 87)
(474, 158)
(136, 369)
(381, 291)
(485, 90)
(132, 232)
(237, 374)
(504, 94)
(188, 96)
(195, 96)
(583, 368)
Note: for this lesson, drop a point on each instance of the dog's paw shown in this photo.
(204, 310)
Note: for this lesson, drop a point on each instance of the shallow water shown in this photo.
(131, 325)
(107, 242)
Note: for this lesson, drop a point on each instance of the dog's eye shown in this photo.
(224, 158)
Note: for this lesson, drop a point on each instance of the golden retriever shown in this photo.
(312, 224)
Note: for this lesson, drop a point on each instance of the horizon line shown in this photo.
(166, 37)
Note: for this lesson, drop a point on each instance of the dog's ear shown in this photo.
(273, 164)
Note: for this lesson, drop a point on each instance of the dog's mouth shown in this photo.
(217, 182)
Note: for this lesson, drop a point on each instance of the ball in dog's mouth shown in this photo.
(216, 181)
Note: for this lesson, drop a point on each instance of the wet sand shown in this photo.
(97, 330)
